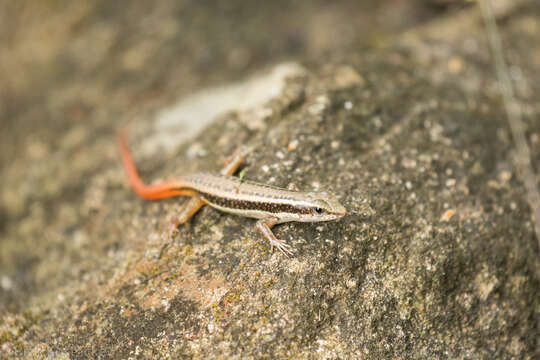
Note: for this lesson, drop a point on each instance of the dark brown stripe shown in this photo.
(255, 205)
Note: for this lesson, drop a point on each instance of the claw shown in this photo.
(282, 246)
(264, 226)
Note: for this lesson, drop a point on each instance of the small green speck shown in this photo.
(241, 174)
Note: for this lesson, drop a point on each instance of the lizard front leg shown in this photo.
(265, 228)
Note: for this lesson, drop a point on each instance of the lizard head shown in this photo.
(322, 206)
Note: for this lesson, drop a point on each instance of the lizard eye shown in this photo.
(319, 210)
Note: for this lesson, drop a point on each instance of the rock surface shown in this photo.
(437, 257)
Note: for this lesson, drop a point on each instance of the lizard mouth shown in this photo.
(340, 211)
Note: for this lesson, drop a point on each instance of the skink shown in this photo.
(271, 205)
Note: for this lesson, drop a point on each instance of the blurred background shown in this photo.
(65, 63)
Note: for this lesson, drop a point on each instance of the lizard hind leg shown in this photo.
(190, 208)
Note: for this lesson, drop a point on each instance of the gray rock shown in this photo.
(437, 257)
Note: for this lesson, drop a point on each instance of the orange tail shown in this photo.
(150, 192)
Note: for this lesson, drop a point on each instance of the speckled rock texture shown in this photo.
(436, 258)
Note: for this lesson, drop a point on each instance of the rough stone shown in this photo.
(437, 257)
